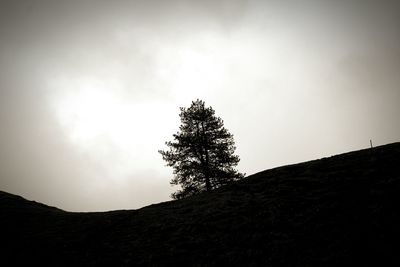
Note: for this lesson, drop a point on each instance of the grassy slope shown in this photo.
(342, 210)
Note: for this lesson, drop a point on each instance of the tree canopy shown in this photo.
(202, 152)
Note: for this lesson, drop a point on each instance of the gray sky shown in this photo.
(90, 90)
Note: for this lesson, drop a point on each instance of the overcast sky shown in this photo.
(90, 90)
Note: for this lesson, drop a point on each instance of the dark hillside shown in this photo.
(342, 210)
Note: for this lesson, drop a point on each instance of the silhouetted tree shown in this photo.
(202, 153)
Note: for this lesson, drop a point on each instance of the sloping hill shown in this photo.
(342, 210)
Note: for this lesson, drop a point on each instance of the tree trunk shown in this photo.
(208, 184)
(207, 157)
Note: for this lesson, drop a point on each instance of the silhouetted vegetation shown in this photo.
(338, 211)
(202, 153)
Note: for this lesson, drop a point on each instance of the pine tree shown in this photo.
(202, 153)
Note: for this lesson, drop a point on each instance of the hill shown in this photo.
(337, 211)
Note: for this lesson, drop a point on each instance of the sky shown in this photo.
(91, 90)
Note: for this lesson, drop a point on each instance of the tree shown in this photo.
(202, 153)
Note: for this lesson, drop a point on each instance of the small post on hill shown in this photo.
(371, 151)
